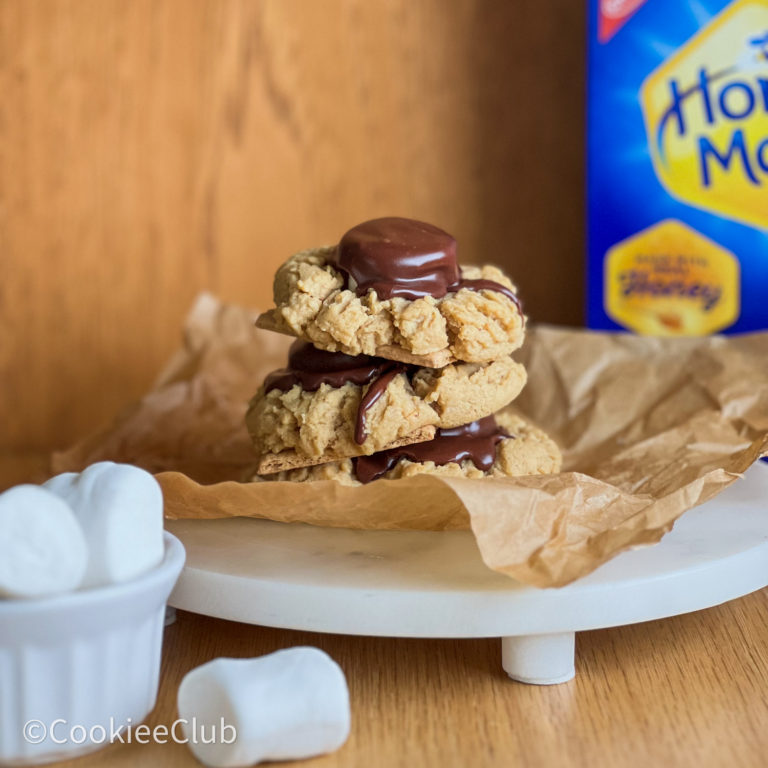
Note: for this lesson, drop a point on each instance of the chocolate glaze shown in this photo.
(310, 367)
(398, 257)
(375, 391)
(476, 441)
(303, 356)
(402, 257)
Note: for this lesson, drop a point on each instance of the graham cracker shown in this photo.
(439, 359)
(276, 462)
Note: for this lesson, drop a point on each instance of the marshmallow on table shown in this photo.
(289, 705)
(120, 509)
(42, 547)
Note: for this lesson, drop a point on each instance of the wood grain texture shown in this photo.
(687, 691)
(150, 149)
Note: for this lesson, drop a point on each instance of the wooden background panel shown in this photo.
(151, 149)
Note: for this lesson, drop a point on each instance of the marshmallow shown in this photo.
(42, 547)
(120, 509)
(289, 705)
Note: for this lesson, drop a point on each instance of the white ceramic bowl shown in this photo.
(89, 658)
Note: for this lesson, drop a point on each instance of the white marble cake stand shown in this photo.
(432, 584)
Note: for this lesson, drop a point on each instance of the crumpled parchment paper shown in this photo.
(649, 428)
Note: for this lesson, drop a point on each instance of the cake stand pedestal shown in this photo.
(434, 584)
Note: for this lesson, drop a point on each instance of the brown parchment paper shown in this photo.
(649, 428)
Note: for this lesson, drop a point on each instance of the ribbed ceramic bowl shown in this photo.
(78, 663)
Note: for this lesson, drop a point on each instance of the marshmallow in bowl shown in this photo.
(289, 705)
(42, 547)
(120, 509)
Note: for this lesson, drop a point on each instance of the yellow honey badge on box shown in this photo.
(670, 280)
(706, 116)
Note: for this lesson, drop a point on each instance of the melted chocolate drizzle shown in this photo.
(406, 258)
(375, 391)
(476, 441)
(310, 367)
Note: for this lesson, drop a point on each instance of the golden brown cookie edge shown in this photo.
(266, 321)
(269, 463)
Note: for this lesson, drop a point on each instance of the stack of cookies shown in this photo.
(401, 362)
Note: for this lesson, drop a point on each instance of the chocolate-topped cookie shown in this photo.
(325, 405)
(407, 258)
(309, 368)
(508, 447)
(393, 288)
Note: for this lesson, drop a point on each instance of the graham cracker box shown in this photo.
(678, 166)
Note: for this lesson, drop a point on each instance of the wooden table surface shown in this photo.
(686, 691)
